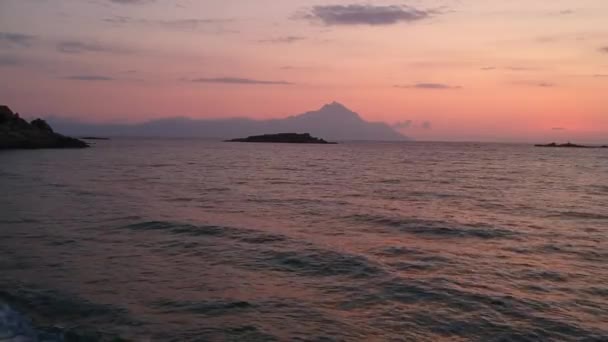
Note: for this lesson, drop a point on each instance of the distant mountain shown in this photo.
(333, 121)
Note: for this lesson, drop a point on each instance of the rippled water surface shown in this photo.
(184, 240)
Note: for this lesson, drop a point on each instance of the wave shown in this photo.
(395, 251)
(210, 308)
(225, 320)
(598, 291)
(413, 266)
(245, 235)
(600, 189)
(389, 181)
(435, 228)
(266, 253)
(415, 259)
(588, 254)
(432, 304)
(159, 165)
(20, 221)
(540, 275)
(319, 262)
(582, 215)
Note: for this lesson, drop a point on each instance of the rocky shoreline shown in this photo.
(17, 133)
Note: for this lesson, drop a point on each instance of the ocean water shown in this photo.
(193, 240)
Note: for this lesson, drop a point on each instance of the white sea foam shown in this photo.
(15, 327)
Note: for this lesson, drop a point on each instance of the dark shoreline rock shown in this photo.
(16, 133)
(286, 138)
(569, 145)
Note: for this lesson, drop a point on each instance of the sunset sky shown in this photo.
(454, 69)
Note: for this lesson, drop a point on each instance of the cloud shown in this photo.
(283, 40)
(558, 129)
(192, 24)
(77, 47)
(177, 24)
(130, 2)
(604, 49)
(238, 80)
(65, 46)
(544, 84)
(430, 86)
(89, 78)
(510, 68)
(573, 36)
(374, 15)
(304, 67)
(600, 75)
(403, 124)
(437, 63)
(515, 68)
(6, 60)
(16, 39)
(410, 124)
(541, 84)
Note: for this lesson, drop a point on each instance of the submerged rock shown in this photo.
(15, 132)
(290, 138)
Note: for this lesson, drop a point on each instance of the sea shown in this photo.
(198, 240)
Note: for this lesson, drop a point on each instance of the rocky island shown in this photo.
(15, 132)
(569, 145)
(288, 138)
(94, 138)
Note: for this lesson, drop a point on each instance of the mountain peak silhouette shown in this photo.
(334, 111)
(335, 108)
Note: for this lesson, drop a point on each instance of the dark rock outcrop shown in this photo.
(568, 145)
(290, 138)
(15, 132)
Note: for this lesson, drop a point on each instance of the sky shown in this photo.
(489, 70)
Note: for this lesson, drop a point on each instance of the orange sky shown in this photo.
(473, 69)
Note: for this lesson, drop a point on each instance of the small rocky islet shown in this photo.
(285, 138)
(17, 133)
(569, 145)
(94, 138)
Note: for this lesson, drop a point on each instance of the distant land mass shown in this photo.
(333, 121)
